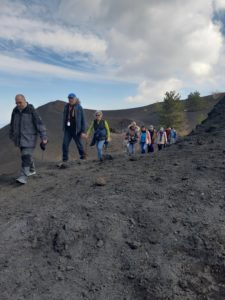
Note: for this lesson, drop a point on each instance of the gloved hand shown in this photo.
(43, 146)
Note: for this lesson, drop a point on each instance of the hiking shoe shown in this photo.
(31, 173)
(83, 157)
(62, 165)
(22, 179)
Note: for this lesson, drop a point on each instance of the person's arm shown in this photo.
(11, 132)
(149, 141)
(165, 137)
(41, 129)
(90, 129)
(83, 123)
(107, 130)
(64, 118)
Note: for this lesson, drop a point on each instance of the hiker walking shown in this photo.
(173, 135)
(168, 134)
(145, 139)
(25, 126)
(153, 135)
(73, 127)
(161, 138)
(101, 135)
(131, 137)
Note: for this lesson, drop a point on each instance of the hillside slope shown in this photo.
(146, 229)
(51, 114)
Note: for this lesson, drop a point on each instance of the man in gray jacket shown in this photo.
(25, 126)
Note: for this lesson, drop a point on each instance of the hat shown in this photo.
(98, 112)
(71, 95)
(132, 124)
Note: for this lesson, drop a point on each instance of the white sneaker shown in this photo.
(22, 179)
(31, 173)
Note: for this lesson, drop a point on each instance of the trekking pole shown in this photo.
(86, 147)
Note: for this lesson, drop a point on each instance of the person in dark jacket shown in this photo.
(25, 126)
(101, 131)
(73, 126)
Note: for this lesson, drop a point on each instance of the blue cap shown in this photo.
(71, 95)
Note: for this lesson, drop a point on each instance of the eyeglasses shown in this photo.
(98, 115)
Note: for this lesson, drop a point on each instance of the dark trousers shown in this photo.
(151, 148)
(26, 156)
(160, 146)
(68, 136)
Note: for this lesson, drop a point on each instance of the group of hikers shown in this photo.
(147, 138)
(26, 125)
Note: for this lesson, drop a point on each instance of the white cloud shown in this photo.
(27, 67)
(39, 33)
(219, 4)
(150, 92)
(155, 43)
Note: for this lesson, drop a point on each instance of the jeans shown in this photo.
(131, 148)
(99, 147)
(143, 146)
(68, 136)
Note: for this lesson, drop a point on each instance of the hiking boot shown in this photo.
(63, 165)
(84, 156)
(32, 170)
(31, 173)
(22, 179)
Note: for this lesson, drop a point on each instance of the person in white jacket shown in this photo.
(161, 138)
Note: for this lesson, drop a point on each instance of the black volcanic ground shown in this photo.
(143, 229)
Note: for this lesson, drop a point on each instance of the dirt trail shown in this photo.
(150, 228)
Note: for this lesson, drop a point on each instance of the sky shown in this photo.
(112, 54)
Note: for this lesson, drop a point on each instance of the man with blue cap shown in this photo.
(73, 126)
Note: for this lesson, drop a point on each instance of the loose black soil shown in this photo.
(147, 228)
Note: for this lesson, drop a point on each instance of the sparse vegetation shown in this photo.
(195, 102)
(171, 110)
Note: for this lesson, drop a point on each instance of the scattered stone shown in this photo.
(130, 276)
(133, 244)
(174, 220)
(69, 268)
(184, 178)
(59, 276)
(133, 158)
(100, 181)
(100, 243)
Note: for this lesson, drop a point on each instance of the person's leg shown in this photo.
(143, 148)
(130, 148)
(99, 146)
(133, 148)
(80, 147)
(65, 146)
(160, 147)
(26, 158)
(151, 148)
(32, 168)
